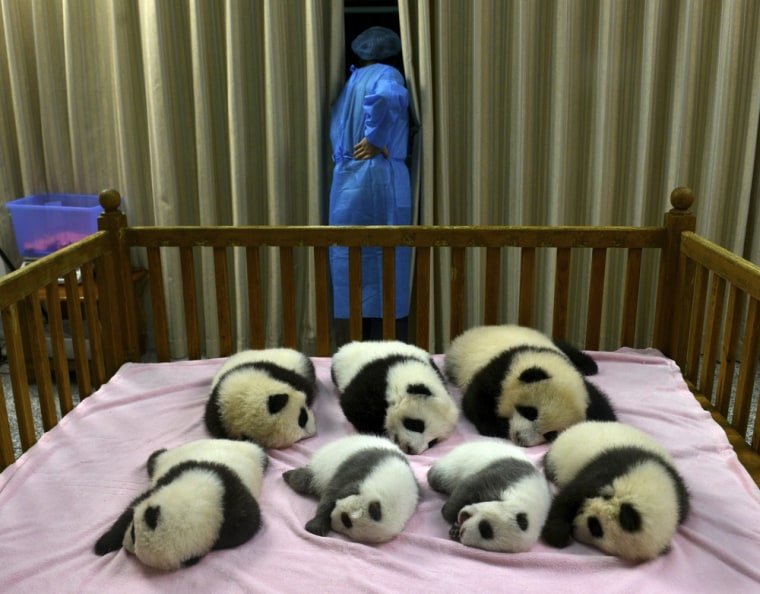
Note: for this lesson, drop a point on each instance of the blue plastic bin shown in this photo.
(47, 222)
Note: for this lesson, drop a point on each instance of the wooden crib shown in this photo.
(706, 301)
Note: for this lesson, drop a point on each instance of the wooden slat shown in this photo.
(190, 302)
(223, 309)
(748, 368)
(681, 311)
(561, 293)
(7, 452)
(114, 342)
(696, 323)
(288, 288)
(38, 351)
(17, 363)
(631, 297)
(92, 318)
(422, 287)
(728, 354)
(493, 286)
(158, 304)
(255, 307)
(712, 340)
(527, 275)
(76, 325)
(456, 315)
(355, 293)
(389, 293)
(58, 348)
(595, 298)
(322, 300)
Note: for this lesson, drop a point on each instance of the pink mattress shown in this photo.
(67, 490)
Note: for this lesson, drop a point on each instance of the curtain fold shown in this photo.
(525, 113)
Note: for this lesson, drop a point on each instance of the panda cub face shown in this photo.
(494, 526)
(619, 491)
(420, 411)
(387, 497)
(256, 406)
(634, 517)
(179, 523)
(542, 395)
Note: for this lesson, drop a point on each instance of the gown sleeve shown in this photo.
(382, 108)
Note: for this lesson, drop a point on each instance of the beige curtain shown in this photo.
(551, 112)
(578, 112)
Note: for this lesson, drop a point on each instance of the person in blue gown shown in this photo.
(369, 132)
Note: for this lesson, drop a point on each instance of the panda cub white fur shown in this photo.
(498, 500)
(264, 396)
(619, 491)
(366, 488)
(202, 497)
(395, 389)
(518, 383)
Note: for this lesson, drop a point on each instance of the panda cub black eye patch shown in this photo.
(533, 374)
(303, 418)
(276, 403)
(486, 530)
(416, 425)
(630, 519)
(529, 412)
(418, 390)
(152, 514)
(595, 527)
(375, 511)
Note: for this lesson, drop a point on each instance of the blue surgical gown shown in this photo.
(373, 104)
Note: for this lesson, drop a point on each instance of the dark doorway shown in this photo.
(361, 14)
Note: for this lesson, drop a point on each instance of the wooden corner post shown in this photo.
(122, 303)
(677, 220)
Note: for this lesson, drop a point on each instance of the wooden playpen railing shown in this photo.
(30, 303)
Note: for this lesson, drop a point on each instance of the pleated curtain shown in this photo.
(216, 112)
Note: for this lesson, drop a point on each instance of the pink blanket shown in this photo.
(63, 493)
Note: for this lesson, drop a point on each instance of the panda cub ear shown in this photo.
(533, 375)
(276, 403)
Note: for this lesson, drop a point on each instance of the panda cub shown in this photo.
(619, 491)
(498, 500)
(395, 389)
(366, 488)
(264, 396)
(202, 497)
(518, 383)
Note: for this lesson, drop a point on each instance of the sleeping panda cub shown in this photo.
(518, 383)
(366, 488)
(264, 396)
(498, 500)
(395, 389)
(619, 491)
(202, 497)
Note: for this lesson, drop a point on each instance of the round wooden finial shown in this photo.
(110, 200)
(682, 198)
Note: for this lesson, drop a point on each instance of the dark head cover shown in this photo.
(376, 43)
